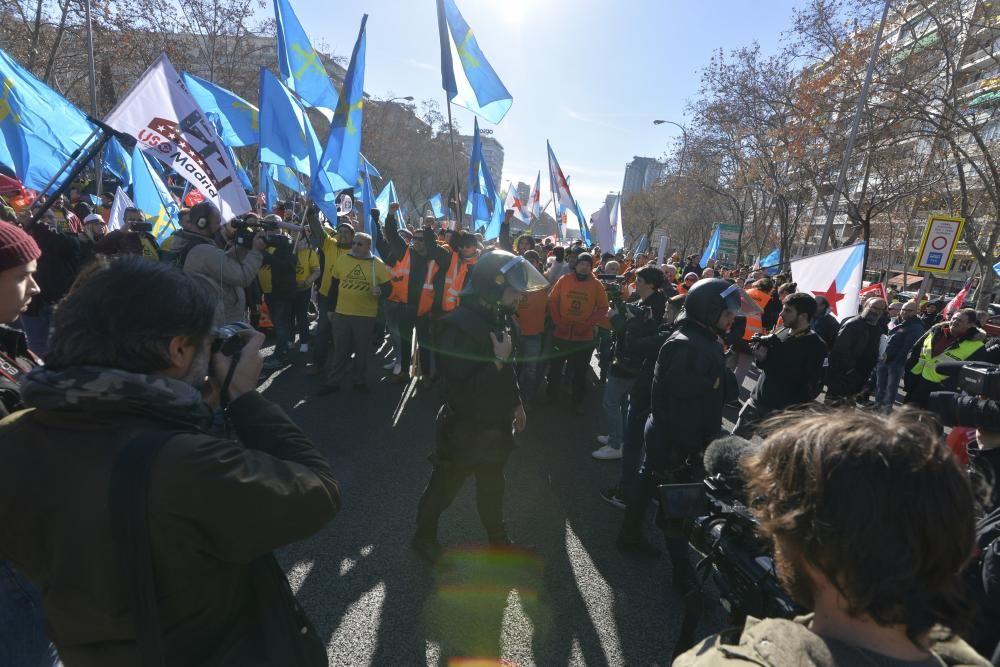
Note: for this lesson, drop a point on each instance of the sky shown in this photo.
(588, 75)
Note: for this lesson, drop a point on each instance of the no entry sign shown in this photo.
(938, 243)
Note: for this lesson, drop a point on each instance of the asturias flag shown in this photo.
(834, 275)
(39, 129)
(472, 85)
(299, 63)
(236, 119)
(151, 195)
(338, 167)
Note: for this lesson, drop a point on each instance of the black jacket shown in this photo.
(282, 262)
(418, 263)
(57, 267)
(15, 362)
(474, 423)
(792, 372)
(690, 385)
(826, 326)
(630, 328)
(853, 356)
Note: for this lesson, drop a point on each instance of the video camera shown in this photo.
(247, 229)
(720, 528)
(613, 285)
(977, 404)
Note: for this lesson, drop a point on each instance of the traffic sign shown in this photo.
(938, 243)
(729, 238)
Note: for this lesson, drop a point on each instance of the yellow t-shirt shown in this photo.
(264, 276)
(331, 252)
(355, 275)
(307, 261)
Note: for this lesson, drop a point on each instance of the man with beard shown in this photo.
(200, 249)
(124, 377)
(855, 352)
(871, 520)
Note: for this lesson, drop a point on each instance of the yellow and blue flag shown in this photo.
(480, 189)
(39, 128)
(584, 232)
(386, 197)
(338, 167)
(286, 134)
(267, 174)
(151, 195)
(473, 85)
(437, 205)
(365, 164)
(368, 204)
(118, 162)
(237, 119)
(495, 220)
(300, 65)
(287, 177)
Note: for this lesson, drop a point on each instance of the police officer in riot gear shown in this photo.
(482, 403)
(690, 385)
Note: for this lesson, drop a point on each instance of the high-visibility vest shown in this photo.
(453, 282)
(427, 292)
(926, 365)
(400, 276)
(754, 324)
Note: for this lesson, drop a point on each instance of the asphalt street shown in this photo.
(563, 596)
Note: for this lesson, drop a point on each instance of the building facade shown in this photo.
(641, 174)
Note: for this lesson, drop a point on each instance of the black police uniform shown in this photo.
(474, 432)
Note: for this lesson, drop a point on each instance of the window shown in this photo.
(965, 266)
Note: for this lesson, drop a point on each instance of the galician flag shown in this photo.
(834, 275)
(512, 202)
(560, 186)
(168, 123)
(116, 219)
(535, 198)
(616, 226)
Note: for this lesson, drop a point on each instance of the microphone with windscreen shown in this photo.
(723, 458)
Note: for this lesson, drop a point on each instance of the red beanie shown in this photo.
(16, 247)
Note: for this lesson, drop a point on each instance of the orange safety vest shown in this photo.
(427, 292)
(453, 283)
(754, 323)
(400, 276)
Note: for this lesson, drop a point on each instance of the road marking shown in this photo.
(298, 574)
(516, 632)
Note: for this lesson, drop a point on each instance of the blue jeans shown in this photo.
(887, 377)
(23, 640)
(615, 399)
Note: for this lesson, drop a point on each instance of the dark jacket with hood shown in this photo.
(215, 506)
(15, 362)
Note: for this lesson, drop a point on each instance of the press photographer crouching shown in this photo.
(150, 536)
(977, 405)
(871, 520)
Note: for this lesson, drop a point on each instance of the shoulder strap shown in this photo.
(129, 505)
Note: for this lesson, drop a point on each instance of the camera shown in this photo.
(229, 339)
(723, 532)
(144, 226)
(979, 380)
(613, 285)
(768, 341)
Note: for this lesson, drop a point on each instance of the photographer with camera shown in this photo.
(977, 407)
(136, 239)
(630, 322)
(201, 249)
(871, 519)
(791, 364)
(277, 282)
(150, 536)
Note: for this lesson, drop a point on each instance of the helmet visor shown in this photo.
(739, 302)
(522, 276)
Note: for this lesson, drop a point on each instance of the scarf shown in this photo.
(96, 388)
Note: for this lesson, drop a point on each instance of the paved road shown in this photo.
(565, 596)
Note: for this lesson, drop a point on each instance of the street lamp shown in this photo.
(408, 98)
(684, 147)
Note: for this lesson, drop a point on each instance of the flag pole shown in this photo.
(98, 164)
(454, 168)
(105, 134)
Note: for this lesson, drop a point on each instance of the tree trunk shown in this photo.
(986, 281)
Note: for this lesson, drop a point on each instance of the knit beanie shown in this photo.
(16, 247)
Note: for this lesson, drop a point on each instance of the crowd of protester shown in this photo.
(670, 351)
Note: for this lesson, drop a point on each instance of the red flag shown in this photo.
(873, 290)
(193, 197)
(957, 302)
